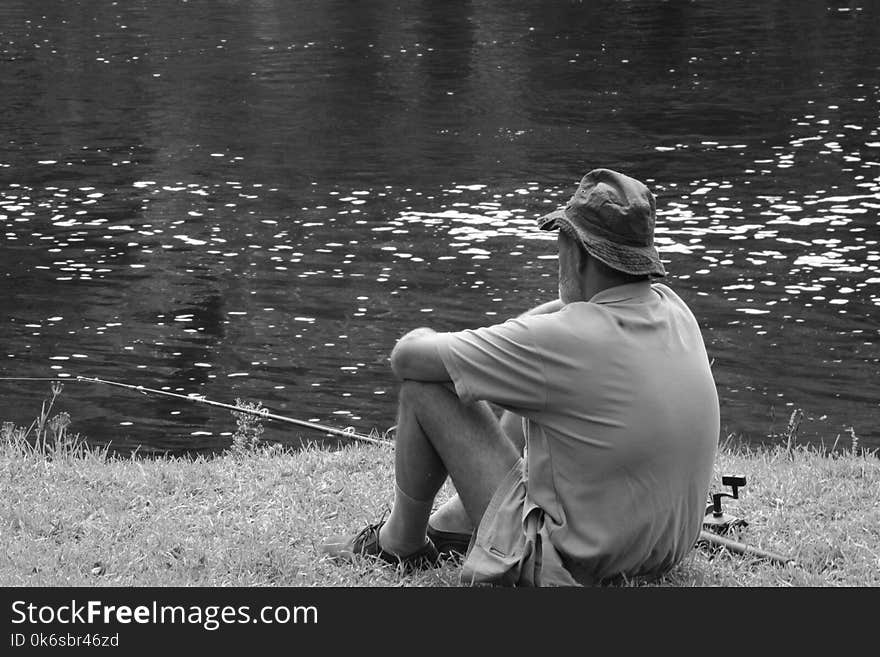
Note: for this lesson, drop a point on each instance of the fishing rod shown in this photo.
(741, 548)
(200, 399)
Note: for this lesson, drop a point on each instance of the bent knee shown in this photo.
(419, 393)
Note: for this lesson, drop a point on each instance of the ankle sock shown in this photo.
(404, 531)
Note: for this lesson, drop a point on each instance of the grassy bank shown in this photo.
(254, 517)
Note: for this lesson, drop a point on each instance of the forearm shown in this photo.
(416, 355)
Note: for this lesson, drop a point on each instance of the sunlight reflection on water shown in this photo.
(225, 221)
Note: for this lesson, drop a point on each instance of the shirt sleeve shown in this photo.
(501, 364)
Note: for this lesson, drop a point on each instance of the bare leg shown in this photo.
(512, 426)
(451, 515)
(438, 435)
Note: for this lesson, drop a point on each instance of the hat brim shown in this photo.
(548, 221)
(635, 260)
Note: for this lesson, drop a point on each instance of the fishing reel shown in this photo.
(716, 520)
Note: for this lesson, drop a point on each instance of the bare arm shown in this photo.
(417, 357)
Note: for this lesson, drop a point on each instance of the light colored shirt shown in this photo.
(621, 420)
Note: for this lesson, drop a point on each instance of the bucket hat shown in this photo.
(613, 217)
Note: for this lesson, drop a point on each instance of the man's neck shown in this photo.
(593, 287)
(598, 280)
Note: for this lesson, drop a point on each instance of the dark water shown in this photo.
(254, 199)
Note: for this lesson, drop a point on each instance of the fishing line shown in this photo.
(199, 399)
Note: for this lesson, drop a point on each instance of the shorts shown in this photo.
(511, 546)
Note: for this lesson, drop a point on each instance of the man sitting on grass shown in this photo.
(600, 465)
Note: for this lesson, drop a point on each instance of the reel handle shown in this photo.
(735, 482)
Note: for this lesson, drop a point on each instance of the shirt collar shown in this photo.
(638, 291)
